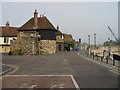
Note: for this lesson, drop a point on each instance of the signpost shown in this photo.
(38, 37)
(38, 40)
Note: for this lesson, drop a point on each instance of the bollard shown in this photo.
(97, 57)
(93, 56)
(113, 62)
(107, 60)
(90, 55)
(101, 59)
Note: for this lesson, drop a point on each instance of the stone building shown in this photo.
(37, 36)
(7, 33)
(59, 40)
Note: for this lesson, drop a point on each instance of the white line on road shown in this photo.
(66, 62)
(14, 69)
(75, 83)
(35, 75)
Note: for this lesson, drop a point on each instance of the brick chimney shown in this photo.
(35, 19)
(57, 27)
(7, 24)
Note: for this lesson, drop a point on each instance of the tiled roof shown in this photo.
(8, 32)
(68, 36)
(43, 23)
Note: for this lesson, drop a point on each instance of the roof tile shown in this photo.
(8, 32)
(43, 23)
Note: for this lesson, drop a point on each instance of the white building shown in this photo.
(7, 34)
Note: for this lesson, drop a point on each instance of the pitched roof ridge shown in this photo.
(49, 22)
(43, 23)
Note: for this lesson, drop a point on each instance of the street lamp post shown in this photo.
(89, 44)
(89, 40)
(95, 40)
(94, 43)
(109, 47)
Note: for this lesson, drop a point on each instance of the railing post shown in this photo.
(101, 59)
(113, 62)
(97, 57)
(93, 56)
(107, 60)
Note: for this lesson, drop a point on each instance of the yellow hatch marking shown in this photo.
(15, 68)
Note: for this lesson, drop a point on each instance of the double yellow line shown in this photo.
(15, 68)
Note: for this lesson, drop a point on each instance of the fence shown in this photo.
(115, 61)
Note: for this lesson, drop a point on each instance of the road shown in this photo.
(86, 73)
(5, 68)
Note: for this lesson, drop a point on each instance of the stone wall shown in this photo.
(47, 46)
(27, 41)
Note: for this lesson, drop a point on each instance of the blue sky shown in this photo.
(77, 18)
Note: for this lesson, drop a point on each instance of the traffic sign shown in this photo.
(38, 37)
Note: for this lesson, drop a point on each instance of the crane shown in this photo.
(114, 56)
(113, 35)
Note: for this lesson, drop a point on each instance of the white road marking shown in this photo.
(58, 85)
(35, 75)
(27, 86)
(75, 83)
(14, 69)
(66, 62)
(114, 72)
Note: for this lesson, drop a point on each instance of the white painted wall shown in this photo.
(9, 38)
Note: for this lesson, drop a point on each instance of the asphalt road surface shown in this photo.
(5, 68)
(86, 73)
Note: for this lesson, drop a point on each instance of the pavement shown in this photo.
(40, 81)
(109, 65)
(110, 61)
(87, 74)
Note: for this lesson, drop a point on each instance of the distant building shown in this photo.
(70, 43)
(37, 36)
(7, 34)
(59, 40)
